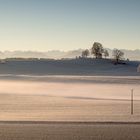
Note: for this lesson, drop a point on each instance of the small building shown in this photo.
(138, 69)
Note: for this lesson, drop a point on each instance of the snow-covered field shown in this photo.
(76, 89)
(72, 101)
(95, 67)
(72, 98)
(68, 131)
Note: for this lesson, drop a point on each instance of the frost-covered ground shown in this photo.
(68, 131)
(71, 98)
(68, 107)
(96, 67)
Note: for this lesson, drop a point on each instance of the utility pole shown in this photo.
(132, 102)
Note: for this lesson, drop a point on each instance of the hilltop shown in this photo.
(95, 67)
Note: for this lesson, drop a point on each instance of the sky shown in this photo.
(42, 25)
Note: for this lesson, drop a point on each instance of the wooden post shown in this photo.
(132, 102)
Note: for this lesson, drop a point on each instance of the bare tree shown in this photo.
(97, 50)
(118, 55)
(106, 53)
(85, 53)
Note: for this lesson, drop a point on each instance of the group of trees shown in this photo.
(99, 51)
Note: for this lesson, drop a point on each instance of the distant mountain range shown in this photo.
(56, 54)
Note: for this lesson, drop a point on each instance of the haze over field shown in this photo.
(67, 98)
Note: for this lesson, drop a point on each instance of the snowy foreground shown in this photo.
(69, 98)
(69, 107)
(68, 131)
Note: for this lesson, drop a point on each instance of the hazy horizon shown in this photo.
(67, 25)
(58, 54)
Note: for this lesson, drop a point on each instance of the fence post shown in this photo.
(132, 102)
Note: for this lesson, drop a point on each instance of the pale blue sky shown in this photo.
(69, 24)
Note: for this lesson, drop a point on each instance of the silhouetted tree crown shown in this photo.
(85, 53)
(106, 53)
(118, 55)
(97, 50)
